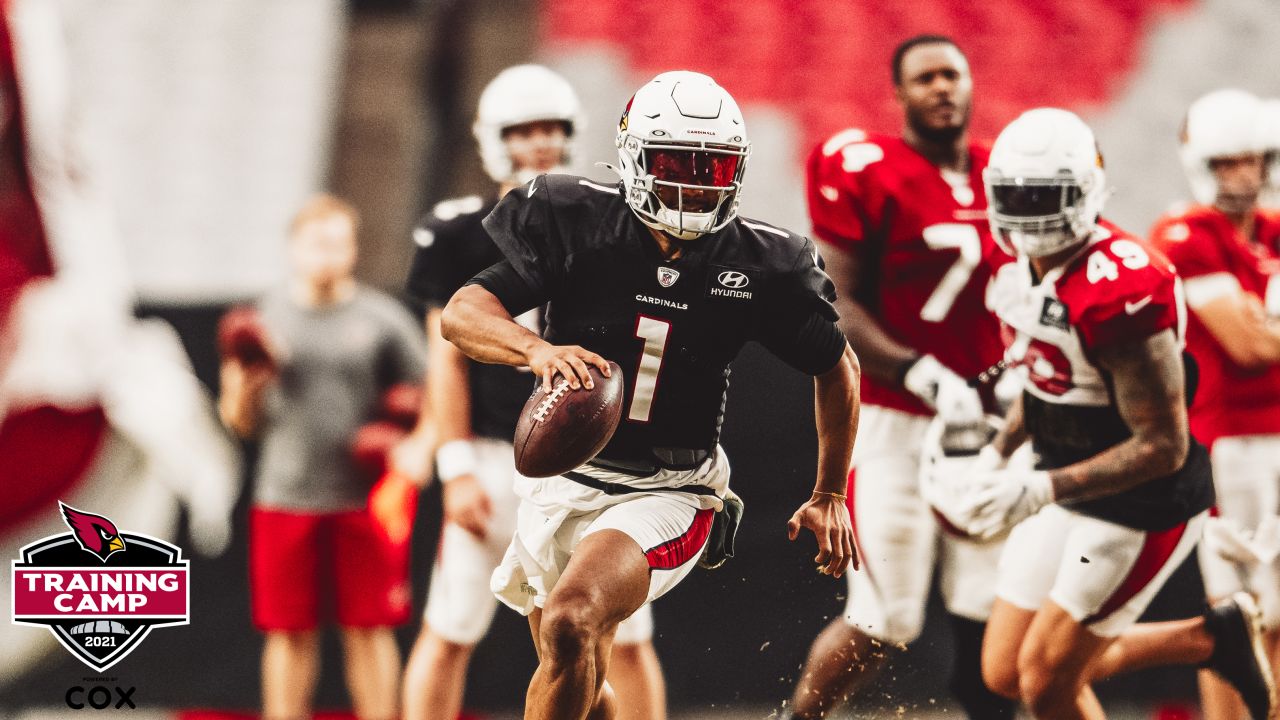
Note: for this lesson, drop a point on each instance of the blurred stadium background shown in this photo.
(207, 122)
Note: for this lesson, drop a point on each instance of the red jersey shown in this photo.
(51, 449)
(922, 238)
(1115, 289)
(23, 252)
(1212, 258)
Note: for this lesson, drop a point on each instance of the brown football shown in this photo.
(560, 430)
(243, 337)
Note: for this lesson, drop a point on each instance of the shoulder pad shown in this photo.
(853, 149)
(446, 210)
(763, 227)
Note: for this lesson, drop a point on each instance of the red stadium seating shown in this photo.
(827, 60)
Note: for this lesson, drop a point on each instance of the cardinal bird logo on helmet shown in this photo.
(95, 533)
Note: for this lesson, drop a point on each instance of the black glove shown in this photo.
(724, 528)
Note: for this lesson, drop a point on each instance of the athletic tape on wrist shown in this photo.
(455, 459)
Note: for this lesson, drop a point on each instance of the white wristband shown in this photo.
(1040, 489)
(455, 459)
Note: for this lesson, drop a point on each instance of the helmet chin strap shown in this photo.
(685, 225)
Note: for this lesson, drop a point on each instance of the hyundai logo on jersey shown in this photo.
(733, 279)
(728, 283)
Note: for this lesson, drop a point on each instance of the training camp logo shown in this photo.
(100, 590)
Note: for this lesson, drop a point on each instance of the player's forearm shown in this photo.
(836, 410)
(448, 388)
(239, 407)
(477, 323)
(1148, 382)
(1241, 328)
(881, 356)
(1119, 468)
(1014, 433)
(241, 423)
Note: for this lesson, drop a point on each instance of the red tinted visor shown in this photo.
(693, 167)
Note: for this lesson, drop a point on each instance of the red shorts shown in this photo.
(308, 567)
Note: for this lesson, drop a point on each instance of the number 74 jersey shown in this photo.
(920, 237)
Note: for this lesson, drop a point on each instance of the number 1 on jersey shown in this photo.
(946, 236)
(654, 333)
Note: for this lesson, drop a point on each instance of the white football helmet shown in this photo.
(1223, 123)
(1269, 140)
(518, 95)
(1045, 183)
(949, 453)
(682, 152)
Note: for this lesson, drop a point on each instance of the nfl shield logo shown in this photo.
(667, 277)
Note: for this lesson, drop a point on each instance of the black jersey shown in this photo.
(452, 246)
(673, 326)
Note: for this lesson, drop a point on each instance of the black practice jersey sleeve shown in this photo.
(450, 246)
(524, 228)
(504, 283)
(798, 320)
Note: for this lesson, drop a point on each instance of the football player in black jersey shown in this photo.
(659, 274)
(524, 127)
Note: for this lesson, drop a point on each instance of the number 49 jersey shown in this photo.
(1115, 290)
(920, 236)
(673, 326)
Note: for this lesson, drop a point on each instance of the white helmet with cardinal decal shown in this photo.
(682, 151)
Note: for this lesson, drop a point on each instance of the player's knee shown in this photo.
(1045, 692)
(570, 626)
(629, 654)
(1000, 669)
(295, 640)
(435, 646)
(1042, 685)
(1000, 675)
(365, 635)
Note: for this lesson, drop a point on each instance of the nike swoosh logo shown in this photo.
(1133, 307)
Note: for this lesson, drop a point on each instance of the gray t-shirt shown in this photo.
(336, 363)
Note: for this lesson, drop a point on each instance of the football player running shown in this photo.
(659, 274)
(904, 227)
(1093, 321)
(525, 126)
(1227, 251)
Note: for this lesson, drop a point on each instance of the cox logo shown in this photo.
(733, 279)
